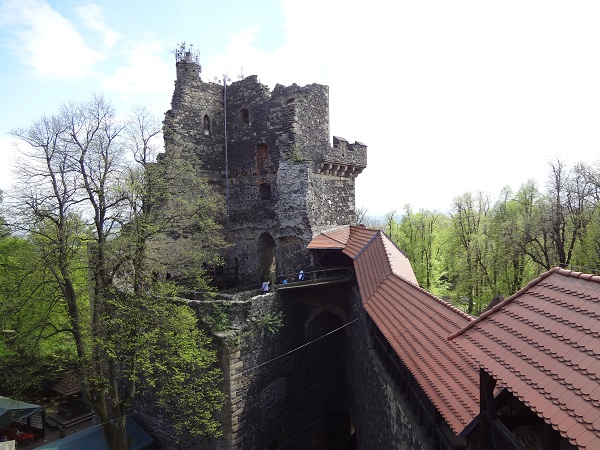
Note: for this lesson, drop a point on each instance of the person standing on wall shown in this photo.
(265, 286)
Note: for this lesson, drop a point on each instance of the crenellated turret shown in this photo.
(343, 159)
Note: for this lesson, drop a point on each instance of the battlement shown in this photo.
(343, 159)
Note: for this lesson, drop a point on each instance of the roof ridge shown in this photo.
(377, 233)
(393, 243)
(441, 301)
(500, 305)
(575, 274)
(331, 230)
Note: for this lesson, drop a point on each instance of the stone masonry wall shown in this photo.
(276, 144)
(281, 388)
(381, 417)
(184, 123)
(330, 202)
(284, 385)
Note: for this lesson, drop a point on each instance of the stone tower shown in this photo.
(269, 153)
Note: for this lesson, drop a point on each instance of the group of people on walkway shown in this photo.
(266, 282)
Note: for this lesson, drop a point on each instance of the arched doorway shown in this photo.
(266, 252)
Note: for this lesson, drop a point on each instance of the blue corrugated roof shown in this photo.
(93, 439)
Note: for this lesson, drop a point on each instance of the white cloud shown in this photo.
(450, 97)
(8, 152)
(145, 71)
(46, 41)
(92, 17)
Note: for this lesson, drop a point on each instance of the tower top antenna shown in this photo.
(186, 54)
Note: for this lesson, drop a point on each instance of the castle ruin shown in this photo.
(269, 154)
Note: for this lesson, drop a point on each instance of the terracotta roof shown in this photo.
(359, 237)
(416, 324)
(332, 239)
(398, 261)
(543, 344)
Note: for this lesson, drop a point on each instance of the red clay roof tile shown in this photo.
(414, 322)
(332, 239)
(542, 343)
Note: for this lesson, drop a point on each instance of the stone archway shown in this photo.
(266, 252)
(333, 318)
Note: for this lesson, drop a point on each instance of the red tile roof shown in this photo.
(543, 344)
(415, 323)
(359, 238)
(332, 239)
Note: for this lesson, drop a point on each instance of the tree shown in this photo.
(558, 221)
(390, 223)
(509, 215)
(361, 216)
(79, 195)
(419, 235)
(32, 316)
(471, 250)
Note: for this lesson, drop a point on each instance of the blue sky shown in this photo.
(450, 97)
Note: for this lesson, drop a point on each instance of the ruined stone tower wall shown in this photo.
(282, 180)
(184, 126)
(330, 201)
(307, 121)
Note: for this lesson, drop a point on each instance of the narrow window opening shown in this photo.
(265, 191)
(262, 158)
(206, 125)
(244, 115)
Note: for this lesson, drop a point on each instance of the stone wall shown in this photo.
(184, 126)
(282, 390)
(315, 382)
(381, 416)
(330, 201)
(277, 170)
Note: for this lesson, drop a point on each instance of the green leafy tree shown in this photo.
(419, 235)
(32, 350)
(514, 267)
(471, 250)
(79, 195)
(555, 223)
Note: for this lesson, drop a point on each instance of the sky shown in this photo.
(449, 96)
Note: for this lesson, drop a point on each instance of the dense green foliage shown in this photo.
(480, 249)
(33, 350)
(98, 225)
